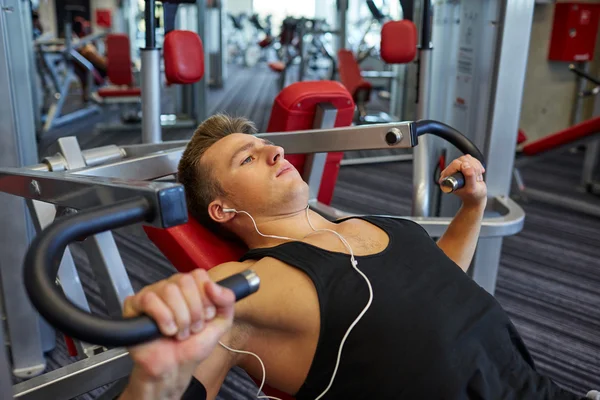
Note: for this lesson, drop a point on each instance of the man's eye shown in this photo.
(247, 160)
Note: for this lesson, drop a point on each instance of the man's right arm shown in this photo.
(213, 371)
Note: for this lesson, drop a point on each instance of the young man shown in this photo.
(413, 325)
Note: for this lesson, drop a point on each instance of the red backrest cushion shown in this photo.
(184, 57)
(399, 42)
(294, 109)
(118, 59)
(350, 76)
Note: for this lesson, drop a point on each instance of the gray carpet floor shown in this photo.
(549, 274)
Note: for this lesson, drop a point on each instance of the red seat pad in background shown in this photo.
(118, 59)
(184, 57)
(399, 40)
(350, 75)
(294, 109)
(560, 138)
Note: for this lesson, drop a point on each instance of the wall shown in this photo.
(550, 88)
(239, 6)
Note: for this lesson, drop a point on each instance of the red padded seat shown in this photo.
(115, 91)
(277, 66)
(350, 76)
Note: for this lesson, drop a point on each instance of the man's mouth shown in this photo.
(286, 168)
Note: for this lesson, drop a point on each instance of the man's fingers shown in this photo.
(222, 297)
(451, 169)
(173, 298)
(201, 277)
(155, 308)
(192, 296)
(469, 173)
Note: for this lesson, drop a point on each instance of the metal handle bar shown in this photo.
(41, 266)
(451, 135)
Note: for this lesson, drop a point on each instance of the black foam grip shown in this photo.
(41, 264)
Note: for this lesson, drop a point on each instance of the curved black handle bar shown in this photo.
(584, 74)
(41, 266)
(454, 137)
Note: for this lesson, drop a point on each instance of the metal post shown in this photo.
(342, 22)
(17, 148)
(151, 128)
(200, 88)
(5, 379)
(422, 154)
(325, 116)
(302, 50)
(515, 23)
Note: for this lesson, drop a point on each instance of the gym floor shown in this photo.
(548, 276)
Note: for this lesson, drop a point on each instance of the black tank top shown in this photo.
(431, 331)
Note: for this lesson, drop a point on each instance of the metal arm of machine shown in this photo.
(124, 179)
(41, 263)
(78, 192)
(503, 217)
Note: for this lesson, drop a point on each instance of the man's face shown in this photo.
(256, 176)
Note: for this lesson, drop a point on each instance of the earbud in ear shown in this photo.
(229, 210)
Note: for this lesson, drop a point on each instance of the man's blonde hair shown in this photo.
(201, 188)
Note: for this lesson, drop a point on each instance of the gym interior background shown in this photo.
(57, 81)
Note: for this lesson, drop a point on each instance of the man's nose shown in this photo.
(275, 154)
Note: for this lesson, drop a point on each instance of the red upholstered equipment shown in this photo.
(399, 42)
(112, 91)
(277, 66)
(521, 137)
(294, 109)
(190, 245)
(118, 59)
(566, 136)
(184, 57)
(350, 76)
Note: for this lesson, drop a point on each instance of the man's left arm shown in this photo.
(460, 239)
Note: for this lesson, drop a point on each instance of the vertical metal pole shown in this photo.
(151, 129)
(515, 21)
(302, 51)
(17, 148)
(590, 161)
(342, 23)
(581, 84)
(200, 88)
(422, 154)
(5, 378)
(325, 116)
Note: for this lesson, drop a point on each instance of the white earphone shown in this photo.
(358, 318)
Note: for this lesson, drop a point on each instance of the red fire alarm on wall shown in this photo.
(103, 18)
(574, 32)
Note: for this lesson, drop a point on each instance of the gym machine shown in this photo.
(51, 54)
(584, 133)
(85, 185)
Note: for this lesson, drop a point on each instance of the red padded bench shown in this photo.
(189, 246)
(566, 136)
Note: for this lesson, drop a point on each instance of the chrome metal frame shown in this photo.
(90, 373)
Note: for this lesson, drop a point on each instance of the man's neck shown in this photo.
(294, 225)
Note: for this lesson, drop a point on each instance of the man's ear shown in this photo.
(215, 210)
